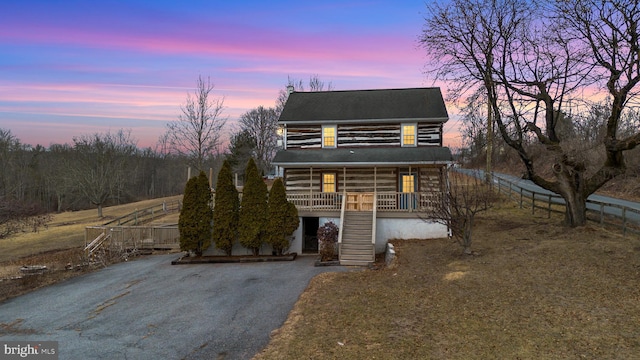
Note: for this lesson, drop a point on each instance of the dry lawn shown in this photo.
(533, 290)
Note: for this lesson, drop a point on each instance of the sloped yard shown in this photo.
(535, 290)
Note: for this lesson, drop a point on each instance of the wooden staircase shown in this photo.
(356, 247)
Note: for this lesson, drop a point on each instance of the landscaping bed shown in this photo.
(215, 259)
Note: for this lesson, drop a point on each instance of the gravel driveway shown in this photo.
(149, 309)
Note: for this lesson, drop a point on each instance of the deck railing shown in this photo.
(385, 201)
(320, 201)
(133, 237)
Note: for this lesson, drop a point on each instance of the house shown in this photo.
(371, 161)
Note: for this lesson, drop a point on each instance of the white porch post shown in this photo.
(413, 194)
(375, 187)
(310, 188)
(344, 179)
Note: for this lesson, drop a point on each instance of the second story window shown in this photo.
(408, 134)
(329, 136)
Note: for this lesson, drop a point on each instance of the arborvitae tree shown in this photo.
(225, 211)
(282, 218)
(253, 209)
(195, 218)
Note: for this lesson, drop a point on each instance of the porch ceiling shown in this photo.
(364, 157)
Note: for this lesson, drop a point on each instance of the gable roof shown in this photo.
(364, 157)
(414, 104)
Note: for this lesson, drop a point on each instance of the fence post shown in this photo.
(521, 198)
(510, 191)
(533, 203)
(549, 214)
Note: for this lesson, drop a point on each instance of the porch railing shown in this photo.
(310, 201)
(385, 201)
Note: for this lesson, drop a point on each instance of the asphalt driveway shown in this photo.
(149, 309)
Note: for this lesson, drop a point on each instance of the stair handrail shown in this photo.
(343, 206)
(373, 222)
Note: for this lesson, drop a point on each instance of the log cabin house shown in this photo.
(371, 161)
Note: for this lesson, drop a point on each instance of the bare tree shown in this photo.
(197, 132)
(543, 60)
(466, 197)
(315, 84)
(261, 124)
(463, 38)
(98, 167)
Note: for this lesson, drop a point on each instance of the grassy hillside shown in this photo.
(66, 230)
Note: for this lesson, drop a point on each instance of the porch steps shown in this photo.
(356, 248)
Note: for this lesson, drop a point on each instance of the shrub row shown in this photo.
(262, 216)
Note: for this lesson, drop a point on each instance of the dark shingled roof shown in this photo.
(363, 156)
(424, 104)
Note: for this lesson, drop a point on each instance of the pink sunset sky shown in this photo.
(69, 68)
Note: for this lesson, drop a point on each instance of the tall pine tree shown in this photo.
(195, 218)
(282, 218)
(253, 209)
(225, 210)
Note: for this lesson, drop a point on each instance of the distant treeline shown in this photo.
(96, 170)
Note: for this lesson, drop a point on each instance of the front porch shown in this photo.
(398, 203)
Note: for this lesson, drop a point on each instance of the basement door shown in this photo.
(310, 227)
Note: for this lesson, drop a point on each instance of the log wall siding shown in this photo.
(304, 137)
(362, 179)
(368, 136)
(429, 135)
(310, 137)
(430, 179)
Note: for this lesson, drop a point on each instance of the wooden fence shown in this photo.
(142, 216)
(132, 237)
(597, 211)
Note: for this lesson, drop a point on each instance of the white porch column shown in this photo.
(310, 188)
(344, 179)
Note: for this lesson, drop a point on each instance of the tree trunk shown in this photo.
(571, 190)
(100, 210)
(466, 235)
(576, 212)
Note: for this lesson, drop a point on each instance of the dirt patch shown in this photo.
(60, 264)
(534, 289)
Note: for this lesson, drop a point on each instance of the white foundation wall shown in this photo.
(387, 229)
(296, 243)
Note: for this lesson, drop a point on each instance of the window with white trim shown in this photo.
(329, 182)
(329, 136)
(409, 134)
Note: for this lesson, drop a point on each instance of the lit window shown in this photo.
(408, 135)
(329, 182)
(329, 136)
(408, 183)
